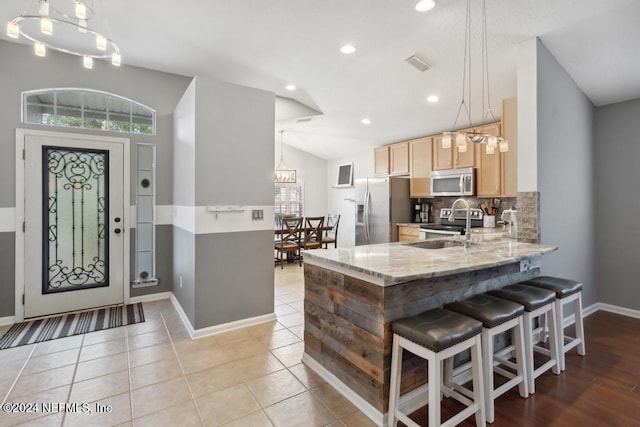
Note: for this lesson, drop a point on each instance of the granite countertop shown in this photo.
(409, 224)
(391, 263)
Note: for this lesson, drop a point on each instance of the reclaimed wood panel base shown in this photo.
(348, 321)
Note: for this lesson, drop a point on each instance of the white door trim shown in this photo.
(21, 134)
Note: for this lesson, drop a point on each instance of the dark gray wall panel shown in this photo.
(164, 262)
(7, 274)
(234, 274)
(618, 236)
(566, 175)
(184, 265)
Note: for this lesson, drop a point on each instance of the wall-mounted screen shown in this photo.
(345, 175)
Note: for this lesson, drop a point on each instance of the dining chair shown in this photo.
(290, 239)
(313, 232)
(331, 236)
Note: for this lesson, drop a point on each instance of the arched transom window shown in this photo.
(88, 109)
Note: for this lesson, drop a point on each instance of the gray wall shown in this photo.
(565, 174)
(224, 156)
(617, 150)
(21, 70)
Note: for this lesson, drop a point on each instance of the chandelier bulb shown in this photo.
(46, 26)
(504, 146)
(101, 42)
(446, 140)
(87, 62)
(490, 149)
(40, 49)
(43, 8)
(13, 30)
(461, 141)
(81, 10)
(116, 59)
(492, 141)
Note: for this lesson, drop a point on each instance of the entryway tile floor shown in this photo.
(153, 374)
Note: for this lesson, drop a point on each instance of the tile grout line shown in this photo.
(126, 343)
(24, 365)
(175, 351)
(73, 377)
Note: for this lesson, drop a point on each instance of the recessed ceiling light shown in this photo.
(366, 121)
(425, 5)
(433, 98)
(291, 87)
(347, 49)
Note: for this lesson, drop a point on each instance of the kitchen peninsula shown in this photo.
(353, 294)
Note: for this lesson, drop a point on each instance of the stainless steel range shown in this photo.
(450, 228)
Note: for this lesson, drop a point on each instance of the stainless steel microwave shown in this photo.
(453, 182)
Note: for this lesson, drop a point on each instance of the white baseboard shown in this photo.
(225, 327)
(9, 320)
(619, 310)
(218, 329)
(365, 407)
(151, 297)
(183, 316)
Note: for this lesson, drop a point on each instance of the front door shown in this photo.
(74, 223)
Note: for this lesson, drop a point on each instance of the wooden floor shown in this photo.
(599, 389)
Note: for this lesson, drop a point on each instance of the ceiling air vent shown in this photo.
(418, 63)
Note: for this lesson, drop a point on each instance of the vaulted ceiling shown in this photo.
(268, 44)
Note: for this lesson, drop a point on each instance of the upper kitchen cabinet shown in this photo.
(451, 158)
(489, 166)
(420, 160)
(381, 161)
(399, 158)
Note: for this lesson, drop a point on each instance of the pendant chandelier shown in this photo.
(284, 175)
(462, 137)
(65, 26)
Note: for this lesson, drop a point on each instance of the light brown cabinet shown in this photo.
(381, 161)
(489, 171)
(420, 160)
(399, 158)
(451, 158)
(407, 233)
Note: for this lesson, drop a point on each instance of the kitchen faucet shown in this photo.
(467, 228)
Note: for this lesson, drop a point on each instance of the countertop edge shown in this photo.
(388, 280)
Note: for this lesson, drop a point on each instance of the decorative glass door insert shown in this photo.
(76, 208)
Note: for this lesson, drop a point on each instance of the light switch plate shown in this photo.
(257, 214)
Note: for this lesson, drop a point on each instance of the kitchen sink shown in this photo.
(436, 244)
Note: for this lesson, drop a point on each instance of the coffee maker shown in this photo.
(421, 212)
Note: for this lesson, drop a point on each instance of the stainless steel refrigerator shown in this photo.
(381, 203)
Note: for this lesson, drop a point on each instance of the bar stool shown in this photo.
(497, 316)
(436, 335)
(567, 291)
(536, 302)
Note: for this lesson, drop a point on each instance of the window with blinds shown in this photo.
(289, 199)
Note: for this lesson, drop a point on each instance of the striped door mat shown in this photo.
(69, 324)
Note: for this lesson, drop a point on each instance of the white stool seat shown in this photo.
(437, 335)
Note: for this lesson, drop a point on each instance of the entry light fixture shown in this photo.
(462, 137)
(282, 174)
(63, 25)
